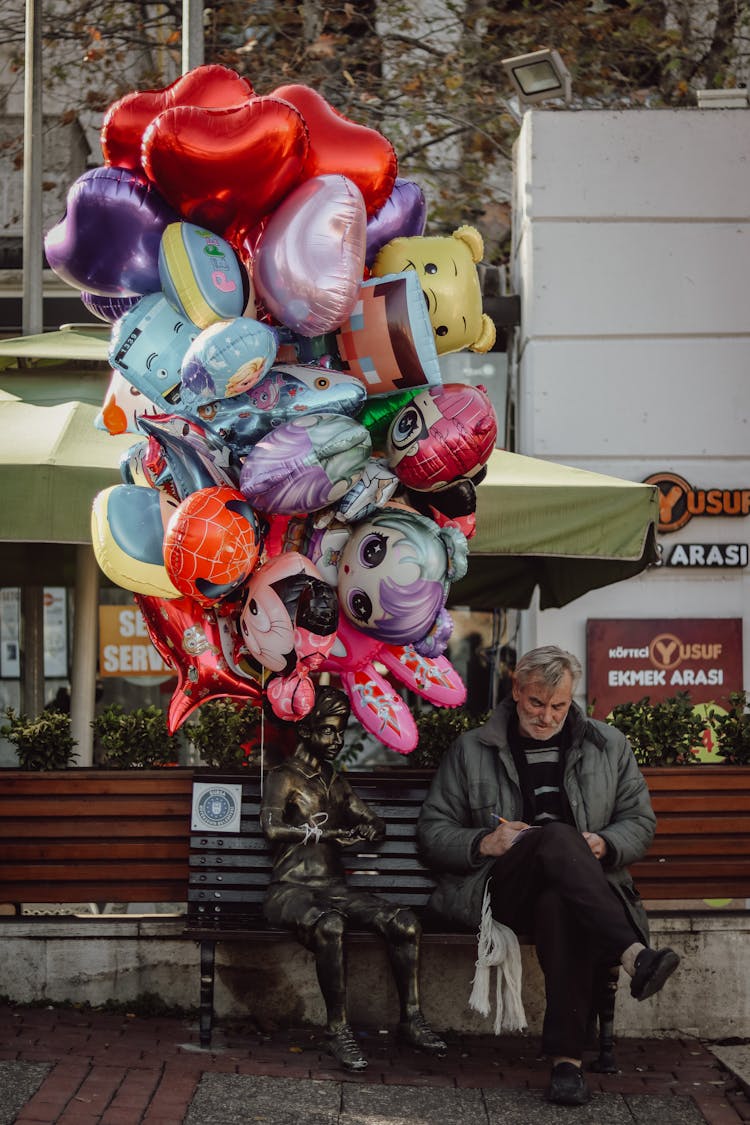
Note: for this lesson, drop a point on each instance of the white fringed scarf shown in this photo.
(498, 948)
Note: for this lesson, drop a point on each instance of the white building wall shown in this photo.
(632, 256)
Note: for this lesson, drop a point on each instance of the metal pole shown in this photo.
(192, 34)
(33, 246)
(32, 619)
(85, 650)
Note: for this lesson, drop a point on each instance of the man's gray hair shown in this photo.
(548, 664)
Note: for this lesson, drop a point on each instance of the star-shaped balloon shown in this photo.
(187, 637)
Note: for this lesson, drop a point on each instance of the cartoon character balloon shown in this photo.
(446, 268)
(288, 624)
(395, 572)
(211, 544)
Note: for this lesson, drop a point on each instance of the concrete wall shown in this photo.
(275, 983)
(631, 255)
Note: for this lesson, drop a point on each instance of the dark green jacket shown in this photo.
(477, 777)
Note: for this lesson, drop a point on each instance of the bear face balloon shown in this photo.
(446, 268)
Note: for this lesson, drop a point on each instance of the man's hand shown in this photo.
(501, 839)
(596, 843)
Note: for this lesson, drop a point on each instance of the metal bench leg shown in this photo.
(208, 956)
(605, 995)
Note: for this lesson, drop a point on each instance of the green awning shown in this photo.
(562, 529)
(89, 343)
(53, 462)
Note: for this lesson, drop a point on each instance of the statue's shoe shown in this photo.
(417, 1032)
(345, 1049)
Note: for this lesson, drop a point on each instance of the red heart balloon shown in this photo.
(226, 169)
(211, 87)
(338, 145)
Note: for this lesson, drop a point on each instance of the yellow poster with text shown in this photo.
(125, 648)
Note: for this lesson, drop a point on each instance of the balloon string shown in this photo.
(262, 728)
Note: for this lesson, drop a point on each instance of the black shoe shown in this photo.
(567, 1085)
(653, 967)
(417, 1032)
(344, 1047)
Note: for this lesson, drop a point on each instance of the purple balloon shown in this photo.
(403, 215)
(308, 262)
(108, 308)
(108, 241)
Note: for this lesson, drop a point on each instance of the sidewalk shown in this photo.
(86, 1067)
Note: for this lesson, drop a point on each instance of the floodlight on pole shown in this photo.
(538, 77)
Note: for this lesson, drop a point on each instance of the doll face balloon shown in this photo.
(444, 433)
(393, 576)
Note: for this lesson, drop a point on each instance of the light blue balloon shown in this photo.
(225, 360)
(148, 345)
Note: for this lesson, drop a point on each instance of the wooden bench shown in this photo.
(229, 874)
(94, 836)
(702, 844)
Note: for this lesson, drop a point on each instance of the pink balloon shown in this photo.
(309, 259)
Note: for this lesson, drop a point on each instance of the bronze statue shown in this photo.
(309, 813)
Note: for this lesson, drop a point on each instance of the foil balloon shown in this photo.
(108, 309)
(305, 464)
(388, 342)
(395, 573)
(201, 275)
(375, 487)
(308, 262)
(226, 169)
(338, 145)
(446, 267)
(148, 346)
(132, 466)
(123, 405)
(108, 241)
(288, 624)
(284, 393)
(181, 459)
(380, 710)
(224, 360)
(378, 413)
(187, 637)
(444, 433)
(404, 214)
(128, 118)
(127, 533)
(211, 544)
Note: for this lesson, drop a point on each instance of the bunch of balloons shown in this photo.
(302, 488)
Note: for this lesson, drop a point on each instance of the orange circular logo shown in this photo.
(664, 651)
(673, 500)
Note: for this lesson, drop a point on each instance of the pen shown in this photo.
(500, 818)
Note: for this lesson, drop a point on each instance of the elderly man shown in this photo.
(309, 814)
(530, 822)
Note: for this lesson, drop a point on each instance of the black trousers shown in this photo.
(550, 886)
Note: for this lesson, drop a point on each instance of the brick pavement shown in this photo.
(117, 1069)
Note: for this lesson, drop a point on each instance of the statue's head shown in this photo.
(322, 729)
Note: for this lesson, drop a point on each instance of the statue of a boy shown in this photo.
(309, 813)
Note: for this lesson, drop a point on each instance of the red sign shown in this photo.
(627, 660)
